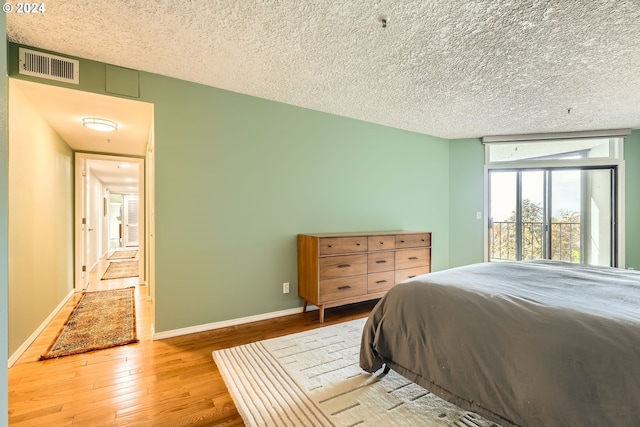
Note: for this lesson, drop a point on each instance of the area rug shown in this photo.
(312, 378)
(121, 269)
(99, 320)
(123, 254)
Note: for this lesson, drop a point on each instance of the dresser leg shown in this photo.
(304, 306)
(321, 309)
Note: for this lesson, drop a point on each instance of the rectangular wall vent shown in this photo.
(47, 66)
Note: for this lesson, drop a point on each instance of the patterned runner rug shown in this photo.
(99, 320)
(121, 269)
(123, 254)
(313, 379)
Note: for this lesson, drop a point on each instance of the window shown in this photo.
(555, 199)
(559, 214)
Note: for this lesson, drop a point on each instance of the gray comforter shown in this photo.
(521, 343)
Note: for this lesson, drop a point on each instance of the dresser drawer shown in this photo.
(413, 240)
(381, 243)
(342, 245)
(380, 261)
(409, 273)
(343, 265)
(380, 282)
(409, 258)
(342, 287)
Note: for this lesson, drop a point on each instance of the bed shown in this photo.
(532, 343)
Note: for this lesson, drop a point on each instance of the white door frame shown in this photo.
(81, 233)
(81, 277)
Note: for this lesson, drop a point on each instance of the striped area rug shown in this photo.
(313, 379)
(120, 270)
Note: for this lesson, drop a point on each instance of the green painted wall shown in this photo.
(238, 177)
(4, 228)
(466, 182)
(632, 199)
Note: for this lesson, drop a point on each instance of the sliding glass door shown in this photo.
(553, 213)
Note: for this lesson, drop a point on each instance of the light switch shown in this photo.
(478, 215)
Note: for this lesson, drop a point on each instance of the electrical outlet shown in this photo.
(285, 288)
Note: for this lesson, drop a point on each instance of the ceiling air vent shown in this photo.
(46, 66)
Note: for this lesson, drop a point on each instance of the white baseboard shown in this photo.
(230, 322)
(16, 355)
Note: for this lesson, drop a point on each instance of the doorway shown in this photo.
(109, 214)
(130, 225)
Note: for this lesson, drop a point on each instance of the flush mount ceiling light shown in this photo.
(101, 125)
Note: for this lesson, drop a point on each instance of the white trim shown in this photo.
(485, 216)
(621, 237)
(555, 163)
(16, 355)
(607, 133)
(226, 323)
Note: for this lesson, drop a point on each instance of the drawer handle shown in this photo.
(424, 240)
(413, 258)
(411, 277)
(357, 244)
(382, 243)
(381, 261)
(401, 241)
(381, 281)
(344, 265)
(342, 288)
(329, 246)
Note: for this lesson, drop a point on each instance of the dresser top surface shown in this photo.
(365, 233)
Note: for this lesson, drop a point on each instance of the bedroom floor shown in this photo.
(162, 383)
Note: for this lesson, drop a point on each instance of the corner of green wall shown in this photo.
(632, 200)
(466, 183)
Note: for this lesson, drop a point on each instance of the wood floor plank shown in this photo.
(171, 382)
(35, 413)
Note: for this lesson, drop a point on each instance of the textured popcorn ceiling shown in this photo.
(448, 68)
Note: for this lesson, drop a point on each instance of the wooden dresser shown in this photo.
(341, 268)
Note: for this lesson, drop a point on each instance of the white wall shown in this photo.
(40, 219)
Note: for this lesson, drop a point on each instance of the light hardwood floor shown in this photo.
(171, 382)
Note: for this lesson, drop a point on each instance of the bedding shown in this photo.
(530, 343)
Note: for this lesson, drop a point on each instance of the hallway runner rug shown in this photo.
(120, 270)
(123, 254)
(313, 378)
(99, 320)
